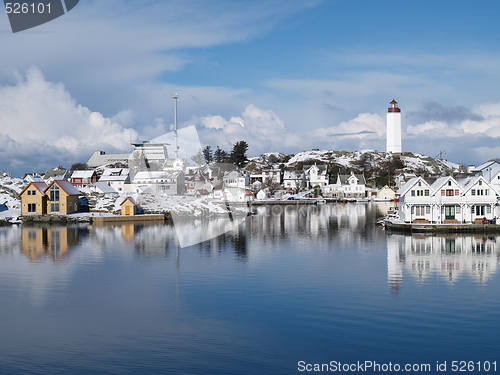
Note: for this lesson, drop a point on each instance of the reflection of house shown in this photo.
(52, 241)
(449, 256)
(447, 200)
(83, 178)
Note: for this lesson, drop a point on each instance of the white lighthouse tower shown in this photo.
(394, 128)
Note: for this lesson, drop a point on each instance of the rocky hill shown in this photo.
(361, 161)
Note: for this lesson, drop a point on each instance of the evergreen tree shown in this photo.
(198, 158)
(238, 154)
(207, 153)
(220, 155)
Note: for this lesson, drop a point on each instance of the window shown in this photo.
(54, 194)
(31, 207)
(413, 193)
(450, 193)
(488, 209)
(443, 192)
(486, 192)
(427, 209)
(54, 207)
(31, 192)
(426, 192)
(420, 210)
(473, 192)
(480, 210)
(449, 183)
(480, 182)
(457, 209)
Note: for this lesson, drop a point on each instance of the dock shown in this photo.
(441, 228)
(158, 218)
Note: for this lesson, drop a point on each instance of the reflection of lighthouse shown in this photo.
(394, 270)
(394, 128)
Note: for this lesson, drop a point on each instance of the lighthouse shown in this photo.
(394, 128)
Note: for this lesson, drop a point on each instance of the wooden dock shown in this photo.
(159, 218)
(442, 228)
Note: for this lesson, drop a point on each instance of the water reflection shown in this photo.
(52, 241)
(448, 256)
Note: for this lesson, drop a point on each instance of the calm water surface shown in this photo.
(317, 284)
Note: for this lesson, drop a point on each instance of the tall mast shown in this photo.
(176, 151)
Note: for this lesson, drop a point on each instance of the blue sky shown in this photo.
(283, 75)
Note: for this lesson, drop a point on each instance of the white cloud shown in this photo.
(37, 116)
(363, 126)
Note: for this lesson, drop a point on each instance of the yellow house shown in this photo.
(58, 197)
(62, 197)
(33, 198)
(128, 206)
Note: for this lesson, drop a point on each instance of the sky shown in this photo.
(284, 75)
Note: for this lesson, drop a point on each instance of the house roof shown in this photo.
(82, 174)
(483, 166)
(40, 186)
(345, 177)
(64, 185)
(411, 182)
(115, 172)
(130, 199)
(104, 187)
(54, 173)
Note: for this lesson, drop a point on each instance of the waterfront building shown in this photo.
(447, 201)
(58, 197)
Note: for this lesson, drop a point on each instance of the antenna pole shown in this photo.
(176, 151)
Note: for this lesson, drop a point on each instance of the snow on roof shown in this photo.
(103, 187)
(82, 174)
(483, 166)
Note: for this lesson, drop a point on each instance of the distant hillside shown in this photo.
(376, 165)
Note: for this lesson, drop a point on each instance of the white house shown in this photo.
(316, 175)
(353, 185)
(159, 181)
(237, 179)
(386, 194)
(447, 200)
(116, 178)
(294, 180)
(262, 194)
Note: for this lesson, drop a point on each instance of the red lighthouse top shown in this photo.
(394, 106)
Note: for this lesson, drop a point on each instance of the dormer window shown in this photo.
(480, 182)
